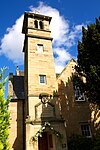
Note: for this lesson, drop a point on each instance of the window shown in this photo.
(36, 24)
(40, 48)
(86, 131)
(79, 96)
(41, 24)
(43, 79)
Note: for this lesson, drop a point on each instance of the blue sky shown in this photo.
(68, 17)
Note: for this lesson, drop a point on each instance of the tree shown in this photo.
(4, 113)
(89, 61)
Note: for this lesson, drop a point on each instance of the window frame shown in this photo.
(86, 130)
(41, 25)
(38, 47)
(42, 80)
(79, 94)
(36, 24)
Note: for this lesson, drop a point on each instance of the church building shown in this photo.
(46, 109)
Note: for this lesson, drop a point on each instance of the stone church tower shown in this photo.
(41, 103)
(40, 125)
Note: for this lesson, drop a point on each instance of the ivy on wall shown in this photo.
(42, 129)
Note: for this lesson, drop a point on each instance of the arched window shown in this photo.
(36, 24)
(41, 24)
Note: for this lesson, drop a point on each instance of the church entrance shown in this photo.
(45, 142)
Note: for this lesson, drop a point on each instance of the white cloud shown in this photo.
(63, 35)
(12, 42)
(61, 57)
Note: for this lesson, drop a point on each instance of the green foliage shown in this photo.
(89, 60)
(4, 113)
(77, 142)
(97, 140)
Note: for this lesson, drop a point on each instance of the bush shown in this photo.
(77, 142)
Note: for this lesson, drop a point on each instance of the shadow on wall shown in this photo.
(52, 125)
(75, 113)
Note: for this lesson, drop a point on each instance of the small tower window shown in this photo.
(42, 79)
(41, 24)
(36, 24)
(40, 48)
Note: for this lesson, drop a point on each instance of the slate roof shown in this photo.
(18, 86)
